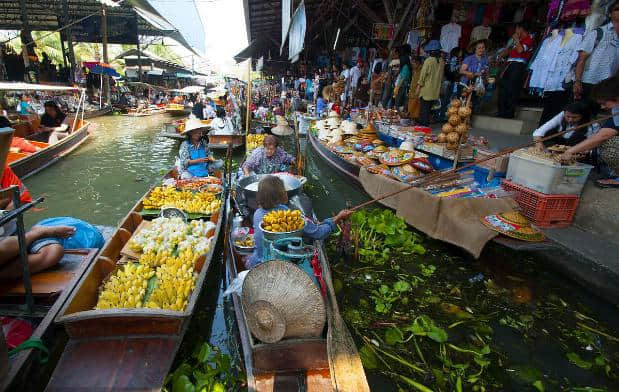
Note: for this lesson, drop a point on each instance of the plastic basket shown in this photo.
(544, 210)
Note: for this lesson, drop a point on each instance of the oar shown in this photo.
(433, 178)
(347, 374)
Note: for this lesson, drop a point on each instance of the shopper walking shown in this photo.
(519, 50)
(430, 79)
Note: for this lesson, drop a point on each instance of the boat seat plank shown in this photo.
(53, 280)
(119, 364)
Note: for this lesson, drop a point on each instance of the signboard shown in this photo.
(383, 31)
(120, 30)
(296, 36)
(286, 12)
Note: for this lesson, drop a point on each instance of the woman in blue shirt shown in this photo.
(195, 159)
(474, 66)
(272, 196)
(23, 108)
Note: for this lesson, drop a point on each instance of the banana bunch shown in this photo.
(255, 140)
(126, 288)
(283, 221)
(175, 282)
(168, 196)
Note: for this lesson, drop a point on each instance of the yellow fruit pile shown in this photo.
(254, 141)
(283, 221)
(126, 288)
(175, 282)
(168, 196)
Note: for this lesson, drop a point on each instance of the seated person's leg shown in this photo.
(47, 257)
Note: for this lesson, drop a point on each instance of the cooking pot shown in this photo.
(292, 184)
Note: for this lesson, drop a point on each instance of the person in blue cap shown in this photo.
(430, 79)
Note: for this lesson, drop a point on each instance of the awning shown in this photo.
(20, 86)
(192, 89)
(183, 75)
(256, 48)
(101, 68)
(155, 72)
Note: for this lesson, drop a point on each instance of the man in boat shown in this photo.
(195, 158)
(55, 122)
(268, 159)
(46, 243)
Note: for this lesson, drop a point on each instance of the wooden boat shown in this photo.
(51, 289)
(287, 365)
(145, 113)
(349, 169)
(97, 113)
(27, 164)
(121, 348)
(220, 142)
(177, 110)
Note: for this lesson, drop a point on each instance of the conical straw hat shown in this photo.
(291, 292)
(282, 128)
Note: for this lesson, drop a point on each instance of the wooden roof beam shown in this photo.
(367, 11)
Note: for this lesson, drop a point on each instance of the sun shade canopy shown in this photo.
(20, 86)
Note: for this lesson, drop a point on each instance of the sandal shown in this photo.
(607, 183)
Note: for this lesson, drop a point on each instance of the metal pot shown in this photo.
(292, 184)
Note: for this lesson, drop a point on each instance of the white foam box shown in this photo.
(546, 176)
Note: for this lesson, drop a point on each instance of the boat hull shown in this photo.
(35, 162)
(98, 113)
(178, 112)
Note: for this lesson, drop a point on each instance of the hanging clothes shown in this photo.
(450, 35)
(554, 61)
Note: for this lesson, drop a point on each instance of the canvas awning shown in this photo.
(20, 86)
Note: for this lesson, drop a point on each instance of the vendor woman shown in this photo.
(575, 114)
(268, 159)
(195, 159)
(606, 140)
(55, 122)
(272, 196)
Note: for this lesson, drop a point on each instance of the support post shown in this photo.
(248, 99)
(139, 61)
(106, 78)
(64, 50)
(65, 12)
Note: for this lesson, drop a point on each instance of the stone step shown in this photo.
(505, 125)
(529, 114)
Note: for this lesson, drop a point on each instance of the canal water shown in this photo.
(124, 156)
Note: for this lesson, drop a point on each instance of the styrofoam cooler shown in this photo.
(545, 176)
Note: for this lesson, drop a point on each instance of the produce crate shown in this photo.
(544, 210)
(546, 176)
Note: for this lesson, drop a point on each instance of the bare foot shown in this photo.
(55, 231)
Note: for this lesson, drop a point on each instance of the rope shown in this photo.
(34, 343)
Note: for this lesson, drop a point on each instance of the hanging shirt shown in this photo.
(450, 35)
(540, 66)
(603, 61)
(355, 75)
(480, 32)
(562, 63)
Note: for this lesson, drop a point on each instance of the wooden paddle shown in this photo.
(347, 374)
(433, 178)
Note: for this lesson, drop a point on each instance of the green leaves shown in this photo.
(368, 357)
(393, 335)
(425, 326)
(578, 361)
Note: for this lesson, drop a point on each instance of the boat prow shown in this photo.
(115, 349)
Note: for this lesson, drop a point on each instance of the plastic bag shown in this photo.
(479, 88)
(236, 285)
(85, 236)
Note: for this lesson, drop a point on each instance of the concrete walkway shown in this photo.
(587, 251)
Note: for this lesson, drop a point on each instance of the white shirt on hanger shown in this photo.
(450, 35)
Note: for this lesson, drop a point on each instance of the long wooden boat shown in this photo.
(117, 349)
(145, 113)
(287, 365)
(177, 110)
(97, 113)
(221, 142)
(51, 289)
(348, 169)
(27, 164)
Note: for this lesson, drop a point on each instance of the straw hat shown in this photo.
(407, 145)
(333, 114)
(472, 45)
(282, 128)
(279, 293)
(349, 127)
(191, 124)
(513, 224)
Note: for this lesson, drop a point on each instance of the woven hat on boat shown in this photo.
(407, 145)
(513, 224)
(349, 128)
(282, 128)
(291, 295)
(191, 124)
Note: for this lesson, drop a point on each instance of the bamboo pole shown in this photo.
(248, 99)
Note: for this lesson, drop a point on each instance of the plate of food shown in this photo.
(397, 157)
(245, 243)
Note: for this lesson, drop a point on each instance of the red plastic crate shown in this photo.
(544, 210)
